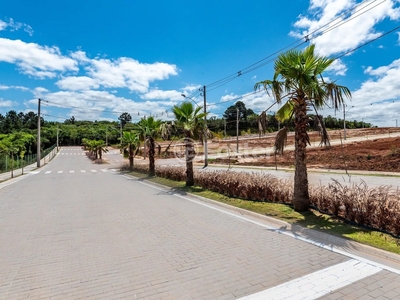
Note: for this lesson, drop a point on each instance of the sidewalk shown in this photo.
(23, 171)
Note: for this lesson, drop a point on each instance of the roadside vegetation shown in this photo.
(246, 190)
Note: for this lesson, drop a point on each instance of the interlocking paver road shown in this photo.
(102, 235)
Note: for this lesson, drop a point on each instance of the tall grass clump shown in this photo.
(377, 208)
(250, 186)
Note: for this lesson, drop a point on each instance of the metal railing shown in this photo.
(17, 166)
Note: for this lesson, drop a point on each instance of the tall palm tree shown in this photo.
(298, 80)
(149, 128)
(190, 120)
(130, 140)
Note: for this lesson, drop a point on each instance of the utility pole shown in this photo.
(121, 134)
(237, 130)
(57, 138)
(344, 121)
(205, 129)
(106, 136)
(38, 137)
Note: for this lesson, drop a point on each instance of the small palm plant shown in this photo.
(130, 140)
(149, 128)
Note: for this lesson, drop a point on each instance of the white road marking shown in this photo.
(83, 171)
(59, 172)
(72, 171)
(47, 172)
(320, 283)
(94, 171)
(104, 170)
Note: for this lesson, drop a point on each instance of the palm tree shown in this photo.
(101, 148)
(190, 120)
(149, 128)
(298, 80)
(130, 140)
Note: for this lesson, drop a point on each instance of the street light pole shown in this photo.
(344, 120)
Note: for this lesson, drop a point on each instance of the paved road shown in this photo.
(76, 230)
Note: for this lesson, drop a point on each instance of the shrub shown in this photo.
(377, 208)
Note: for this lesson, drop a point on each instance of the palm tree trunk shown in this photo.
(190, 154)
(152, 151)
(301, 199)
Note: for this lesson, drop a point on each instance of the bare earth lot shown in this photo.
(370, 154)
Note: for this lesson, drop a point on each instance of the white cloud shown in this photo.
(95, 105)
(3, 25)
(377, 101)
(6, 103)
(338, 67)
(160, 94)
(80, 56)
(77, 83)
(128, 73)
(345, 36)
(258, 101)
(13, 26)
(33, 59)
(386, 85)
(15, 87)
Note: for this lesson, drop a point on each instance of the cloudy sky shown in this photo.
(97, 59)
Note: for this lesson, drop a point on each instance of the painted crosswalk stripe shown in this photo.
(83, 171)
(47, 172)
(320, 283)
(94, 171)
(72, 171)
(59, 172)
(104, 170)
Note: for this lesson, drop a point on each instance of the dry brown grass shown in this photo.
(377, 208)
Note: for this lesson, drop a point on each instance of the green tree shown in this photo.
(190, 120)
(125, 118)
(149, 128)
(298, 78)
(130, 141)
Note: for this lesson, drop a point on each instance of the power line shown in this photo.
(270, 58)
(369, 42)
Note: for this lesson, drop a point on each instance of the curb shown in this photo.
(317, 238)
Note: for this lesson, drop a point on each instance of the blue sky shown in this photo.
(97, 59)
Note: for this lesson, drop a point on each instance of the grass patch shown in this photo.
(311, 219)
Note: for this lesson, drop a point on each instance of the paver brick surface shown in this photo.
(105, 236)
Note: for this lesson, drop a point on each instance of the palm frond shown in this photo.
(281, 140)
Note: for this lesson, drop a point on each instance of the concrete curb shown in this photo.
(318, 238)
